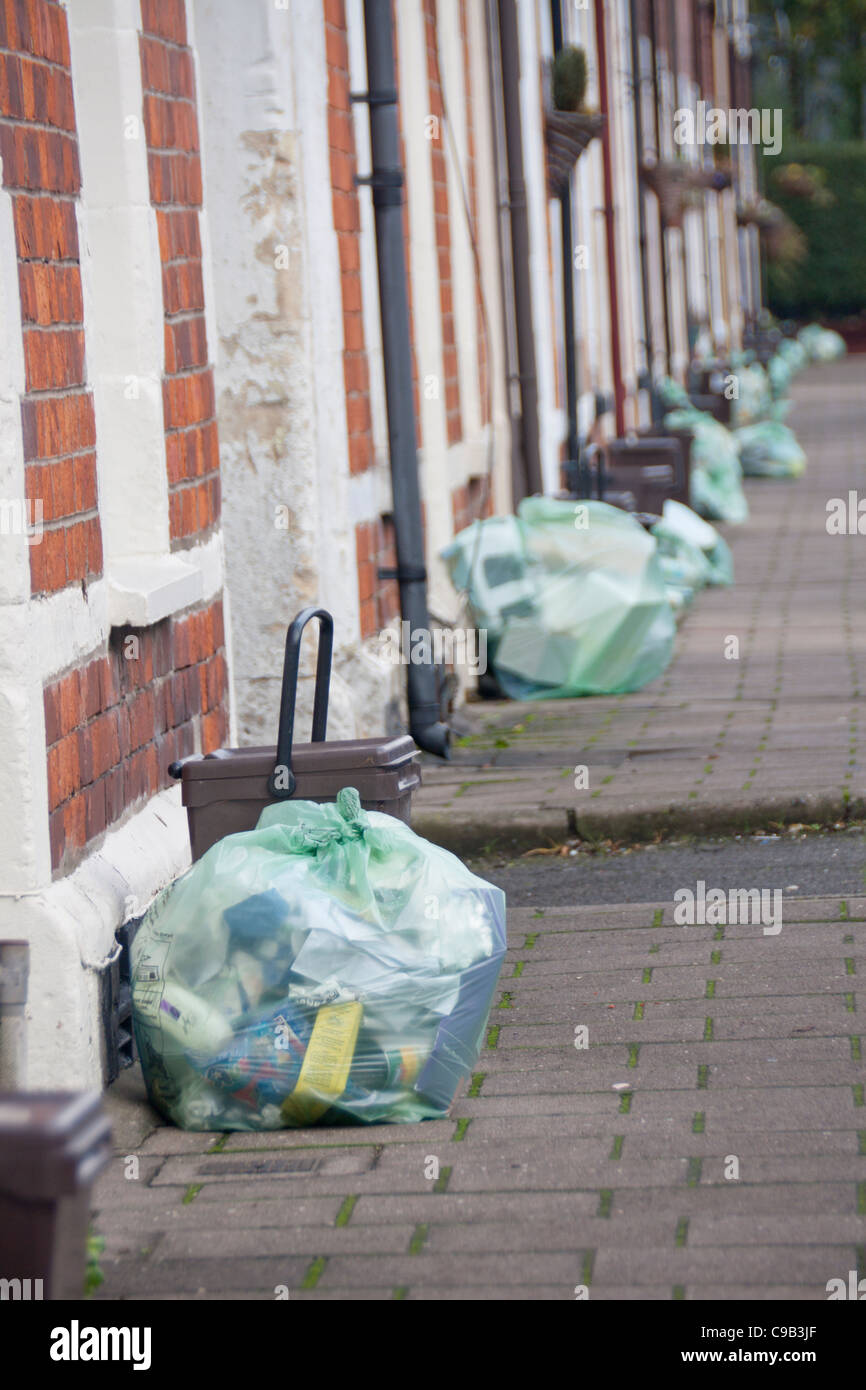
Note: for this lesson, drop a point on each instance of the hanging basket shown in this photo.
(567, 134)
(669, 182)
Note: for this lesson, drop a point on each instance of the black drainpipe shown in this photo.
(641, 204)
(386, 181)
(510, 58)
(575, 469)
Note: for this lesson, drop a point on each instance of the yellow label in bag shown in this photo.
(327, 1063)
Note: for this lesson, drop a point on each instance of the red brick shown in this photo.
(166, 69)
(353, 332)
(63, 770)
(53, 427)
(368, 617)
(164, 18)
(350, 252)
(175, 517)
(45, 228)
(39, 159)
(53, 360)
(91, 688)
(218, 627)
(170, 124)
(48, 562)
(356, 373)
(94, 809)
(182, 287)
(74, 825)
(141, 719)
(55, 820)
(211, 731)
(114, 800)
(179, 235)
(346, 213)
(76, 552)
(360, 454)
(358, 414)
(102, 737)
(85, 482)
(185, 344)
(50, 293)
(341, 134)
(93, 531)
(39, 93)
(175, 179)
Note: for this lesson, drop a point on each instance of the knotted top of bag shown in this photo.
(353, 826)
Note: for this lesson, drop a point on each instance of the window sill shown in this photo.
(143, 590)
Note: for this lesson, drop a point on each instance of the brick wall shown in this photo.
(347, 223)
(470, 502)
(39, 149)
(379, 598)
(113, 725)
(174, 166)
(451, 384)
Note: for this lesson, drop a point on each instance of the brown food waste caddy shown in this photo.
(226, 791)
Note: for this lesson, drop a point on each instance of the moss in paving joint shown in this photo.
(678, 1293)
(441, 1183)
(418, 1239)
(858, 1093)
(401, 1291)
(616, 1151)
(518, 969)
(698, 1122)
(314, 1272)
(460, 1132)
(654, 949)
(505, 1001)
(345, 1212)
(492, 1036)
(861, 1141)
(850, 1005)
(219, 1144)
(708, 1030)
(849, 966)
(693, 1175)
(861, 1199)
(625, 1103)
(588, 1263)
(843, 911)
(530, 941)
(646, 978)
(682, 1232)
(192, 1192)
(710, 991)
(657, 916)
(848, 940)
(703, 1075)
(719, 933)
(605, 1201)
(856, 1050)
(476, 1083)
(716, 958)
(633, 1053)
(638, 1010)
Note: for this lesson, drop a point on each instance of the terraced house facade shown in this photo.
(193, 417)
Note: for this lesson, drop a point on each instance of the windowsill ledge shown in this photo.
(142, 590)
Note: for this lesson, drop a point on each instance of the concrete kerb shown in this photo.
(501, 831)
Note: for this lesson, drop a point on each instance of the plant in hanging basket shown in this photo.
(568, 129)
(569, 78)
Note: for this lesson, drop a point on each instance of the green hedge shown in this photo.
(832, 279)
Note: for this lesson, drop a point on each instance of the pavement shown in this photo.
(659, 1112)
(716, 745)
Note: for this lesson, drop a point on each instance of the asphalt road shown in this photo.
(801, 865)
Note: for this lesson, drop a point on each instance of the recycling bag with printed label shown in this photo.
(325, 967)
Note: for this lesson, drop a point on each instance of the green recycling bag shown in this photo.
(770, 450)
(328, 966)
(571, 595)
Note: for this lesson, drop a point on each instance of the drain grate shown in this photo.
(248, 1167)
